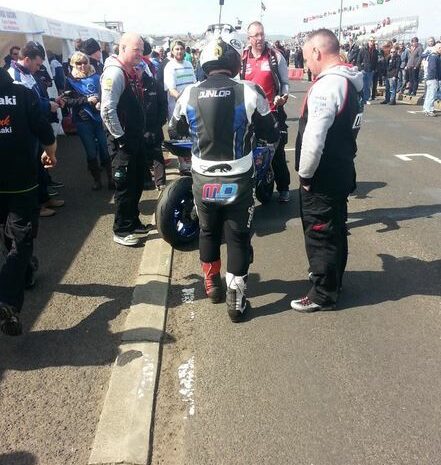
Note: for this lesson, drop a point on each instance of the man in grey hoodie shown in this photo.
(325, 151)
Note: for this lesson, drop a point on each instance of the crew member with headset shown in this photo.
(225, 118)
(22, 127)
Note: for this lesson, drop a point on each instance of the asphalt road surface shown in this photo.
(356, 386)
(53, 379)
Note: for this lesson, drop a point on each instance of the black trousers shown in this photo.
(129, 173)
(324, 226)
(374, 85)
(18, 223)
(414, 75)
(156, 157)
(282, 176)
(235, 221)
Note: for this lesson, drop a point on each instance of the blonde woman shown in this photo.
(83, 96)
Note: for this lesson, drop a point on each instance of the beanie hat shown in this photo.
(90, 46)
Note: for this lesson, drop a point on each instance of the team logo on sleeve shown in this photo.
(5, 125)
(107, 84)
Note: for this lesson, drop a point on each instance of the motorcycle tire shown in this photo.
(176, 218)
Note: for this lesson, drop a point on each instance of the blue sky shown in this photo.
(180, 16)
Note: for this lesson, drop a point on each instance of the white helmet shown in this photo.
(222, 51)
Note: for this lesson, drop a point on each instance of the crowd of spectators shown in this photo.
(347, 33)
(398, 66)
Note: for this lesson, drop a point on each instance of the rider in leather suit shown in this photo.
(225, 118)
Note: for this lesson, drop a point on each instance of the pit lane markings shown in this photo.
(407, 157)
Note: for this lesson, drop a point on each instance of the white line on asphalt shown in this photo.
(289, 150)
(407, 157)
(186, 381)
(147, 377)
(292, 95)
(415, 111)
(187, 296)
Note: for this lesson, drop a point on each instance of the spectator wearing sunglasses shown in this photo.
(82, 94)
(13, 56)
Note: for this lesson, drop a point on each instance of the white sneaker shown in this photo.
(304, 305)
(368, 102)
(129, 240)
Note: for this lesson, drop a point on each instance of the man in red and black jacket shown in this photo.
(267, 67)
(23, 127)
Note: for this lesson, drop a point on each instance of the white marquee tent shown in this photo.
(18, 27)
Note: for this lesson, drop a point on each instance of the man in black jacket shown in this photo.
(393, 65)
(156, 111)
(13, 56)
(22, 127)
(353, 52)
(367, 62)
(93, 50)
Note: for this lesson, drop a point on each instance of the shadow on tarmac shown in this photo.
(400, 277)
(89, 343)
(366, 187)
(391, 216)
(60, 239)
(291, 289)
(272, 217)
(147, 207)
(18, 458)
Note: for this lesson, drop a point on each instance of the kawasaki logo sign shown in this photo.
(8, 100)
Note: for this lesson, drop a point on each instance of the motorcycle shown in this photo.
(176, 216)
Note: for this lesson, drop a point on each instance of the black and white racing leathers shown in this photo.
(226, 117)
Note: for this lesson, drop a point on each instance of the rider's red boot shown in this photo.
(212, 281)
